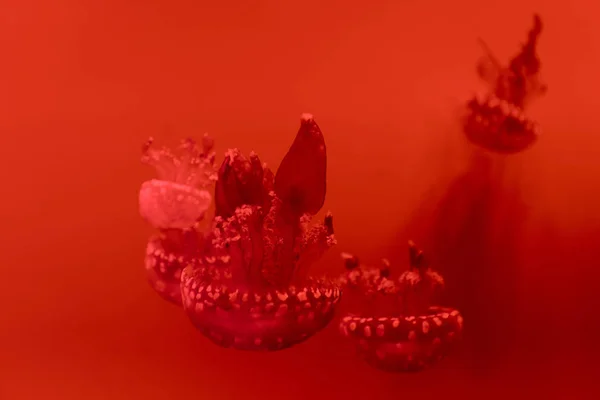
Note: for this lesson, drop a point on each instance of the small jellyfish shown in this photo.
(250, 289)
(496, 120)
(393, 322)
(175, 203)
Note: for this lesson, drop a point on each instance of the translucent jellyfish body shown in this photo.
(174, 203)
(393, 322)
(251, 290)
(177, 198)
(496, 120)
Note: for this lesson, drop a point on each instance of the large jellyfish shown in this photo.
(497, 121)
(174, 203)
(250, 289)
(394, 322)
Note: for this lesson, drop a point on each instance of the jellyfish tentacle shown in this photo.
(315, 241)
(489, 67)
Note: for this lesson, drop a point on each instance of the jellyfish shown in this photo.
(250, 289)
(175, 203)
(497, 120)
(394, 323)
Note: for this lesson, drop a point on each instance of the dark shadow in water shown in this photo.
(471, 234)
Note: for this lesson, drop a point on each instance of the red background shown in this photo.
(84, 83)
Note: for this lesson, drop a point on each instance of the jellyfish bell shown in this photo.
(394, 323)
(497, 120)
(175, 203)
(251, 289)
(499, 126)
(177, 198)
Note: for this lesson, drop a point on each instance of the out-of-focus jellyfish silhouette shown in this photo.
(497, 120)
(395, 323)
(174, 203)
(476, 238)
(473, 226)
(250, 289)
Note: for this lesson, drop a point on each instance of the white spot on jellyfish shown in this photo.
(425, 327)
(282, 310)
(301, 296)
(282, 296)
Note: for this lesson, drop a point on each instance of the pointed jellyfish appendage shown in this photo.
(496, 120)
(393, 322)
(251, 290)
(174, 203)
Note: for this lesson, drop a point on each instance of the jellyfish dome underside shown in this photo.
(404, 343)
(244, 318)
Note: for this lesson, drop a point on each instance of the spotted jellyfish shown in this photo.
(251, 289)
(496, 120)
(393, 322)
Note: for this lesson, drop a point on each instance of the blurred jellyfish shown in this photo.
(497, 121)
(175, 203)
(251, 290)
(395, 323)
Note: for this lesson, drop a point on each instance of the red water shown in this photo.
(85, 83)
